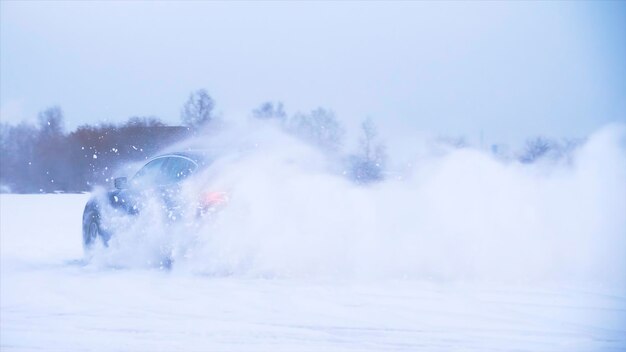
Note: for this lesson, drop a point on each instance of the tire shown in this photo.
(92, 229)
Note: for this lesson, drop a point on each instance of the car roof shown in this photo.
(200, 157)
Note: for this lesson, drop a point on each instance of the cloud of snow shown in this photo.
(459, 215)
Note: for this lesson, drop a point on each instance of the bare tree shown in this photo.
(16, 156)
(144, 121)
(269, 110)
(368, 163)
(319, 127)
(367, 139)
(536, 148)
(198, 110)
(51, 121)
(51, 161)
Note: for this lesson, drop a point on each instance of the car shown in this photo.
(162, 177)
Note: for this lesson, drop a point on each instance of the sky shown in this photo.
(501, 70)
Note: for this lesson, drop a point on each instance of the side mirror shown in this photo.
(121, 182)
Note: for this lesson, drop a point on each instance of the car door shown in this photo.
(175, 170)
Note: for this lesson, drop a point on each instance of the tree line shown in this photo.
(44, 158)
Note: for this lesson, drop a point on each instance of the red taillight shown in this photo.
(213, 199)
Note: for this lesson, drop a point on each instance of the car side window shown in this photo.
(177, 169)
(151, 173)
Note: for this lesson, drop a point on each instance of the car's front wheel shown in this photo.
(92, 229)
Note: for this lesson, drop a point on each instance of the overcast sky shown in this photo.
(510, 69)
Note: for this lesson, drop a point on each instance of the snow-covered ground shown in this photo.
(52, 300)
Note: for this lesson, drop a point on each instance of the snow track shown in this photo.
(54, 301)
